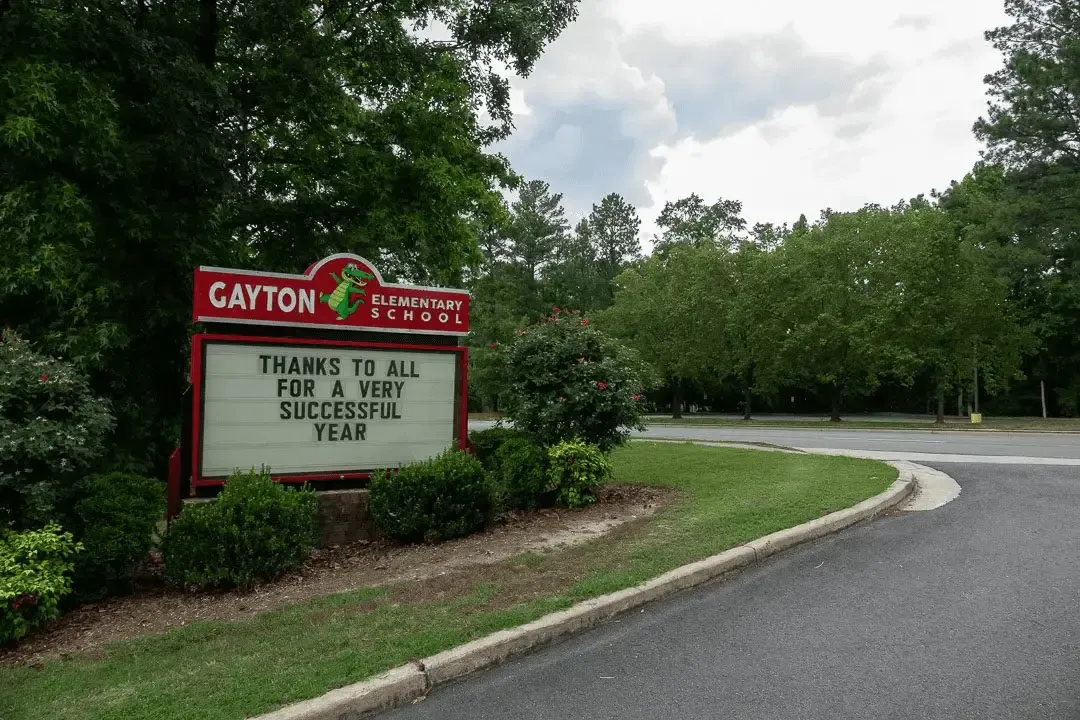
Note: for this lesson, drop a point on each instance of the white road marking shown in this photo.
(942, 458)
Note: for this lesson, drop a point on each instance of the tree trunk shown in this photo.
(1042, 396)
(940, 420)
(748, 391)
(676, 400)
(835, 416)
(207, 38)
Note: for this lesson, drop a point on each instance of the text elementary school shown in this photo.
(327, 375)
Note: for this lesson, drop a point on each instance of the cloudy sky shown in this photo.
(790, 106)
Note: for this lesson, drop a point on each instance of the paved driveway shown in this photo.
(918, 445)
(968, 611)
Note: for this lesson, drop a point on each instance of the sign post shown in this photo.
(328, 375)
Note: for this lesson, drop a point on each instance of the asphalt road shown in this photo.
(901, 444)
(968, 611)
(921, 446)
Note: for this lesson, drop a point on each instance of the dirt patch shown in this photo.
(439, 569)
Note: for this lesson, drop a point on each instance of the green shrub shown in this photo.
(485, 443)
(447, 497)
(52, 429)
(115, 520)
(35, 569)
(577, 470)
(566, 379)
(521, 473)
(256, 529)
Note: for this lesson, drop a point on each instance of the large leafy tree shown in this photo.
(691, 221)
(139, 138)
(662, 310)
(1032, 129)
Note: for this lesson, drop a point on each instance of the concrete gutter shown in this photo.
(405, 683)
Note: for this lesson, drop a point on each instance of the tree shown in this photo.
(951, 306)
(659, 311)
(537, 225)
(1032, 129)
(139, 139)
(613, 228)
(690, 221)
(835, 306)
(1034, 112)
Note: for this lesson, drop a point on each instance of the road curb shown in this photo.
(408, 682)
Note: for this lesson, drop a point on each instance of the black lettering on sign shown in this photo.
(282, 386)
(412, 369)
(308, 366)
(265, 361)
(294, 366)
(335, 366)
(279, 364)
(319, 427)
(337, 391)
(309, 388)
(392, 370)
(286, 410)
(332, 432)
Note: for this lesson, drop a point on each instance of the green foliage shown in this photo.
(140, 139)
(521, 473)
(116, 520)
(486, 443)
(256, 529)
(577, 470)
(443, 498)
(537, 226)
(566, 379)
(52, 428)
(689, 221)
(35, 568)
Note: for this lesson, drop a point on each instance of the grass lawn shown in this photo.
(988, 424)
(233, 670)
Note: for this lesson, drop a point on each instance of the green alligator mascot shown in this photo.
(351, 282)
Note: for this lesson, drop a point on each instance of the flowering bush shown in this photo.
(52, 428)
(35, 569)
(577, 469)
(566, 379)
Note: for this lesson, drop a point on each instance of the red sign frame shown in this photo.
(197, 366)
(340, 292)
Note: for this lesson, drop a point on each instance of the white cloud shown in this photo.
(883, 111)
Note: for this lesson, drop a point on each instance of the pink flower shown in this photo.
(44, 378)
(584, 322)
(555, 311)
(635, 398)
(601, 385)
(494, 345)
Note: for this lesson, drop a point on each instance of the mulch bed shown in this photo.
(155, 608)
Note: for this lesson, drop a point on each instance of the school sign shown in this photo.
(326, 375)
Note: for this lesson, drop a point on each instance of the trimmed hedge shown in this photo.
(447, 497)
(115, 520)
(256, 529)
(521, 472)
